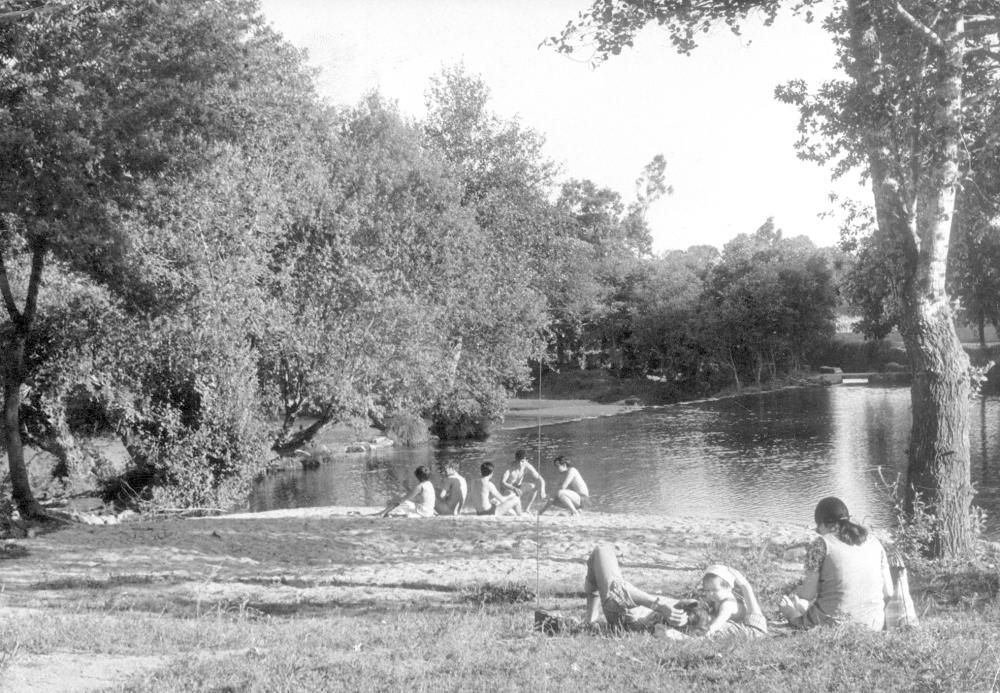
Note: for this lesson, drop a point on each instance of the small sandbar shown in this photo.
(527, 413)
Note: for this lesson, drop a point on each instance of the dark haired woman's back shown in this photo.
(853, 579)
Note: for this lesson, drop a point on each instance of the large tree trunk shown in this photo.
(914, 201)
(938, 470)
(12, 380)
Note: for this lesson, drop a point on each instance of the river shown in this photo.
(763, 457)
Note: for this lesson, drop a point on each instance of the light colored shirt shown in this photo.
(853, 582)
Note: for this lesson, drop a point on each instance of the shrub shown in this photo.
(407, 429)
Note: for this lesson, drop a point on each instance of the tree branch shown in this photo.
(11, 16)
(34, 282)
(922, 29)
(982, 24)
(993, 55)
(8, 295)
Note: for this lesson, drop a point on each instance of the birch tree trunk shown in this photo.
(915, 201)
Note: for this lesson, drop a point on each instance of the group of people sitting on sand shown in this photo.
(847, 580)
(520, 485)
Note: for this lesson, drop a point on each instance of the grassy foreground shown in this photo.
(350, 603)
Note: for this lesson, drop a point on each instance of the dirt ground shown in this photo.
(324, 559)
(347, 556)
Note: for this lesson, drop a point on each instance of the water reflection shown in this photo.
(767, 457)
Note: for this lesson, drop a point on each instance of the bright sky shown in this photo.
(727, 142)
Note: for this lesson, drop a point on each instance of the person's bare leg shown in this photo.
(593, 609)
(512, 505)
(567, 500)
(528, 495)
(603, 569)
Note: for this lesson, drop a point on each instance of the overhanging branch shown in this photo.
(977, 25)
(11, 16)
(928, 34)
(8, 295)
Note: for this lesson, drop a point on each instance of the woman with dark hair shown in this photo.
(847, 577)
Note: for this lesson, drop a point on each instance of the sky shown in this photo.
(728, 143)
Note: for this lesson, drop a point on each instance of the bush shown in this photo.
(407, 429)
(460, 416)
(197, 437)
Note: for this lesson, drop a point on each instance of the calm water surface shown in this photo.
(768, 457)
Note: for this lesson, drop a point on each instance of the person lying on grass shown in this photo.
(626, 607)
(417, 503)
(572, 492)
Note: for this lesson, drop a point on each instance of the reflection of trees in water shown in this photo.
(982, 439)
(886, 425)
(984, 442)
(769, 456)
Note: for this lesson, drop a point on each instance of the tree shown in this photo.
(497, 309)
(362, 276)
(99, 103)
(664, 317)
(770, 300)
(899, 115)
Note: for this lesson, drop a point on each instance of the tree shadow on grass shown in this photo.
(77, 582)
(12, 551)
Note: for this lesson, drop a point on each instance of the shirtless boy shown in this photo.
(523, 480)
(487, 500)
(452, 496)
(572, 492)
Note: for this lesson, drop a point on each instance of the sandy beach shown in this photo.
(345, 557)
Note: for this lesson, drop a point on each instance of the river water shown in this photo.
(764, 457)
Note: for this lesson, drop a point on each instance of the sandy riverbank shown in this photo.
(343, 557)
(528, 413)
(335, 561)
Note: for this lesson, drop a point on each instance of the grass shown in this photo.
(450, 636)
(493, 648)
(486, 642)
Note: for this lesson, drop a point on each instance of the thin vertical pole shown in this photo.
(538, 517)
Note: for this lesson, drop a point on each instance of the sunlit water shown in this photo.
(767, 457)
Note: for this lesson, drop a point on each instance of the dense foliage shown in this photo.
(204, 262)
